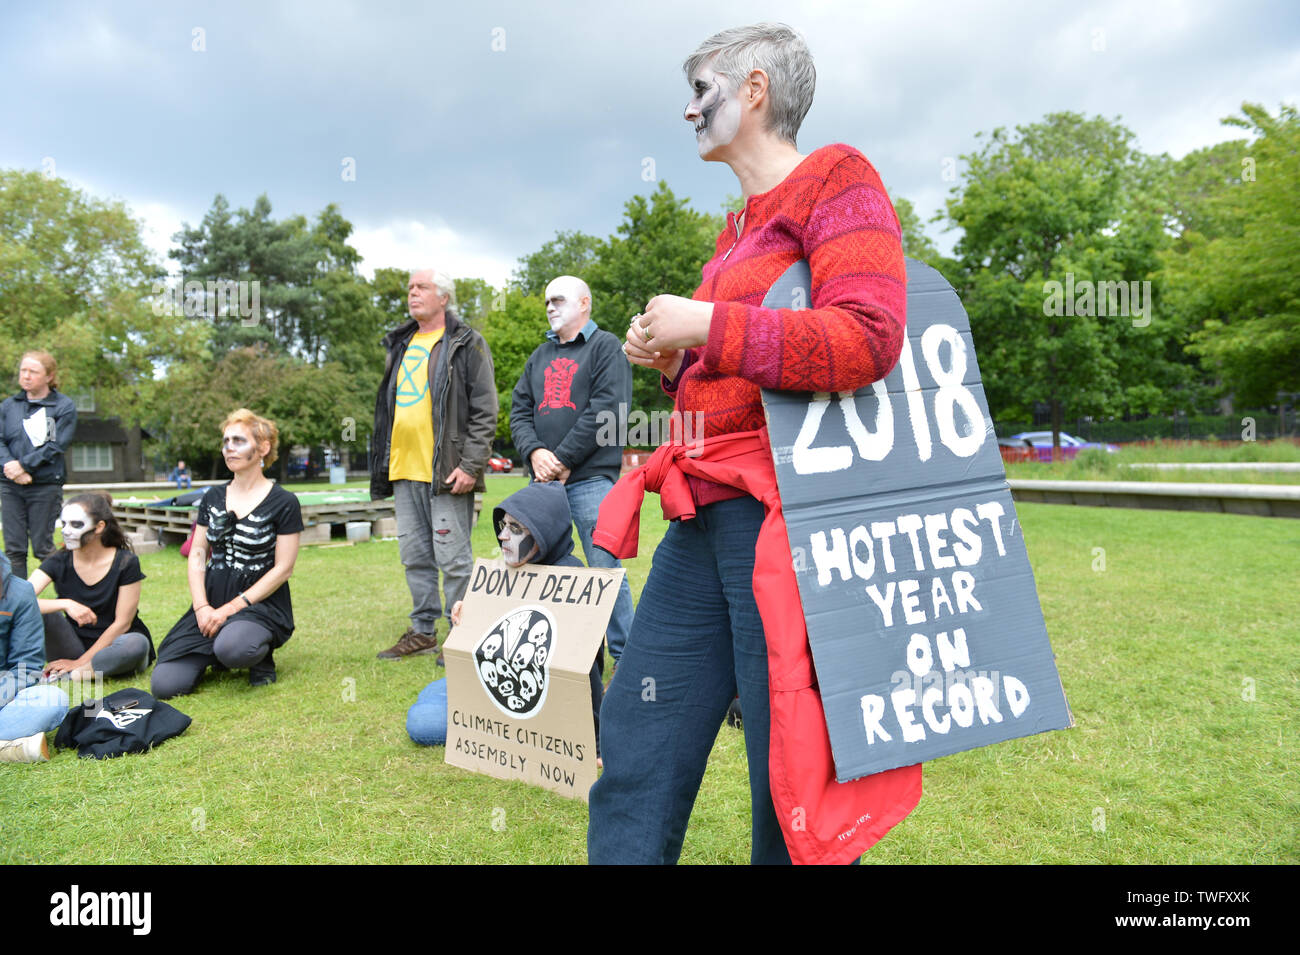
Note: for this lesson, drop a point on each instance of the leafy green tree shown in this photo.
(1233, 273)
(1067, 200)
(473, 301)
(916, 243)
(513, 332)
(302, 399)
(661, 246)
(569, 253)
(389, 290)
(77, 280)
(284, 257)
(321, 318)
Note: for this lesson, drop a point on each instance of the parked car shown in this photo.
(1016, 449)
(1070, 445)
(499, 463)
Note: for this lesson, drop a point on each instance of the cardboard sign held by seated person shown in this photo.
(518, 698)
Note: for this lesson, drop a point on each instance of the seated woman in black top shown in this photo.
(93, 626)
(241, 610)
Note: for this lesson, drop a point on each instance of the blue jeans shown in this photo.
(426, 720)
(696, 640)
(584, 502)
(36, 709)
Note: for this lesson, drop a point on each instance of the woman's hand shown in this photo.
(455, 613)
(23, 478)
(671, 323)
(13, 469)
(212, 619)
(82, 615)
(668, 363)
(69, 668)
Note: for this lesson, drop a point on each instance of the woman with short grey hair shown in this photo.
(701, 634)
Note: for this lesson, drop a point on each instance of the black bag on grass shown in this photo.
(128, 721)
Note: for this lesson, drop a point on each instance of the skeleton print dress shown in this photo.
(241, 551)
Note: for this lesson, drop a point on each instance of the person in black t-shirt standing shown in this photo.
(93, 626)
(242, 609)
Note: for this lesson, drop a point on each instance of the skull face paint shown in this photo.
(714, 111)
(518, 546)
(564, 306)
(76, 525)
(238, 448)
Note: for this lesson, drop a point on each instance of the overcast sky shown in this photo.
(478, 130)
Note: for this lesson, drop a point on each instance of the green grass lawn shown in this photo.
(1169, 762)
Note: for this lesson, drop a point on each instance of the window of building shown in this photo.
(85, 401)
(92, 457)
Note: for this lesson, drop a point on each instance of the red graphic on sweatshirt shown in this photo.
(559, 383)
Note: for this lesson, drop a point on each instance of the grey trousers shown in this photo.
(129, 653)
(29, 511)
(239, 645)
(433, 533)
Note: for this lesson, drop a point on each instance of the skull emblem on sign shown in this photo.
(511, 660)
(523, 655)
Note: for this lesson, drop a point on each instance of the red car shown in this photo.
(501, 464)
(1016, 449)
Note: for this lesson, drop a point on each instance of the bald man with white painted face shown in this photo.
(568, 419)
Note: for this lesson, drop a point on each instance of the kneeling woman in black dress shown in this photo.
(241, 609)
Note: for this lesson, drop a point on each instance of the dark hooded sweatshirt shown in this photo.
(544, 510)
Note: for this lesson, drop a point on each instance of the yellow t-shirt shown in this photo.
(410, 457)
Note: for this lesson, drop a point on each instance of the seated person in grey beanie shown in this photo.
(533, 527)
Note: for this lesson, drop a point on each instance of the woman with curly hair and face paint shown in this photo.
(93, 625)
(704, 630)
(241, 557)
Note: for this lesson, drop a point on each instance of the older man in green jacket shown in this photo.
(435, 417)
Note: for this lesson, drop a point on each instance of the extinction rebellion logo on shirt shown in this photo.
(413, 378)
(513, 660)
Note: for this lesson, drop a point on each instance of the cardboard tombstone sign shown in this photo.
(518, 695)
(922, 613)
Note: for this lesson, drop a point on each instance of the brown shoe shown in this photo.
(412, 644)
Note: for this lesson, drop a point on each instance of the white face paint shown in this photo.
(75, 523)
(714, 111)
(518, 546)
(565, 307)
(238, 448)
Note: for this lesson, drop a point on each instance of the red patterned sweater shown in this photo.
(833, 211)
